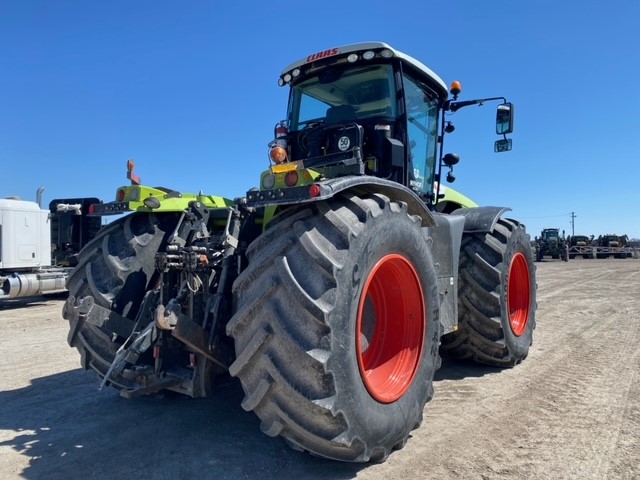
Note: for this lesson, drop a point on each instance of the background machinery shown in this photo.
(611, 245)
(71, 228)
(331, 290)
(551, 244)
(604, 246)
(580, 245)
(38, 247)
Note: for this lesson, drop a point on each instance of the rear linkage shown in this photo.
(192, 280)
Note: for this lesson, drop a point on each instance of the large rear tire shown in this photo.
(116, 269)
(336, 327)
(496, 298)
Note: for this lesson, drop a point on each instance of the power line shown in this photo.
(551, 216)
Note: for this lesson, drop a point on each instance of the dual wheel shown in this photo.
(336, 327)
(496, 297)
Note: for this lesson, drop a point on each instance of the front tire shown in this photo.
(496, 298)
(336, 327)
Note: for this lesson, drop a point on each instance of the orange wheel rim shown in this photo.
(390, 328)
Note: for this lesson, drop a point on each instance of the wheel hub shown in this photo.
(390, 328)
(519, 294)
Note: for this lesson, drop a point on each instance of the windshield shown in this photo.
(366, 89)
(366, 95)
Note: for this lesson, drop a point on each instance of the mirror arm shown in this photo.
(455, 106)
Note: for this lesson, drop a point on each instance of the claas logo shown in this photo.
(323, 54)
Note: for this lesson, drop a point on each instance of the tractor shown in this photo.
(551, 243)
(330, 290)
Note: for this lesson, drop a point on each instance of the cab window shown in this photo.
(422, 133)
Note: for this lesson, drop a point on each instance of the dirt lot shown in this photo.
(571, 410)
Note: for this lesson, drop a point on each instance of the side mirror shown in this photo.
(504, 119)
(502, 145)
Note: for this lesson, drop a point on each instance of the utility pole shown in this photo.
(573, 223)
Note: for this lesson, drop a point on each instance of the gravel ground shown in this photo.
(571, 410)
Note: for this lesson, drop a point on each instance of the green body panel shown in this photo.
(453, 196)
(131, 199)
(169, 202)
(306, 176)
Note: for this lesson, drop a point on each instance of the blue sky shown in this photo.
(189, 91)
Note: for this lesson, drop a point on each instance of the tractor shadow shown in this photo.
(459, 370)
(62, 427)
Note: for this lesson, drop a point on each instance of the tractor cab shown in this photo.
(366, 109)
(550, 235)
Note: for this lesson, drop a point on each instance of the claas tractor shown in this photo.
(332, 289)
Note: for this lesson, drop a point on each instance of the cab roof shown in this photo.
(362, 47)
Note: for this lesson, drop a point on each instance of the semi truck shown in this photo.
(38, 247)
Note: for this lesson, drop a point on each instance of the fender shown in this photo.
(480, 219)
